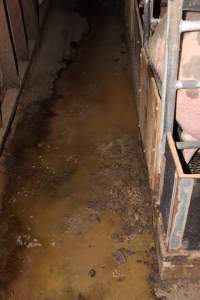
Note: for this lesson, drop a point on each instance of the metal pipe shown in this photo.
(188, 145)
(146, 21)
(187, 84)
(189, 26)
(171, 65)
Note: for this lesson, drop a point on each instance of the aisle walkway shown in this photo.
(78, 209)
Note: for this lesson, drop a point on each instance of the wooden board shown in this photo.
(135, 38)
(153, 133)
(146, 93)
(7, 55)
(149, 108)
(17, 29)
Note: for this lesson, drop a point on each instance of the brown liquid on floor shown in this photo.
(78, 209)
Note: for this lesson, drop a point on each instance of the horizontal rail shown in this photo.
(188, 145)
(187, 84)
(189, 26)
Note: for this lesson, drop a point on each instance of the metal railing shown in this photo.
(175, 27)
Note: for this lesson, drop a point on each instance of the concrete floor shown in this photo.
(76, 218)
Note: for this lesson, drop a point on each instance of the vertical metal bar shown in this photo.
(151, 10)
(7, 54)
(17, 28)
(174, 18)
(146, 21)
(180, 213)
(172, 203)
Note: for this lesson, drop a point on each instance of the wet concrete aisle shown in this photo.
(77, 213)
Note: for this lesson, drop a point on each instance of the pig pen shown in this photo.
(174, 181)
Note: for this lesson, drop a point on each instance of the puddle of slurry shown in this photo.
(77, 212)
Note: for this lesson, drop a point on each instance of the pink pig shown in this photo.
(188, 101)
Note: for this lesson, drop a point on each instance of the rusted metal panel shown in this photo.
(179, 264)
(176, 198)
(8, 62)
(31, 18)
(180, 213)
(17, 28)
(192, 233)
(168, 186)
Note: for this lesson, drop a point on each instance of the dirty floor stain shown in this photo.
(76, 221)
